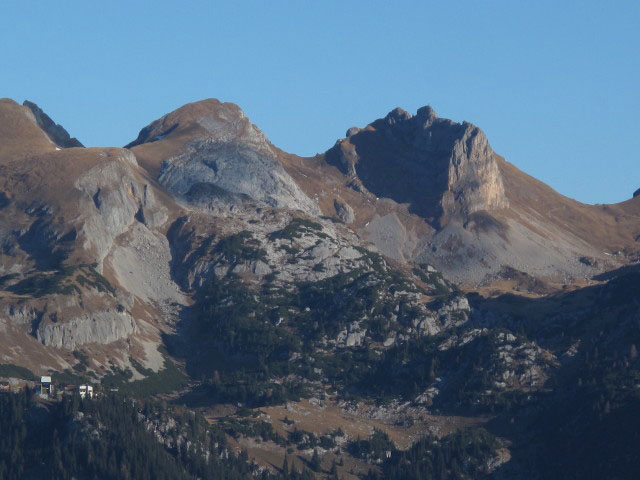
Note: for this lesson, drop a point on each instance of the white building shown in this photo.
(46, 387)
(86, 391)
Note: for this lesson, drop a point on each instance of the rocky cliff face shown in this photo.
(482, 213)
(234, 168)
(112, 199)
(68, 308)
(441, 168)
(220, 147)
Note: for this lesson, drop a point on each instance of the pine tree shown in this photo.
(334, 471)
(315, 461)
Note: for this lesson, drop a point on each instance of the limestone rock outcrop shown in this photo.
(101, 327)
(113, 199)
(441, 168)
(344, 211)
(235, 168)
(80, 308)
(219, 146)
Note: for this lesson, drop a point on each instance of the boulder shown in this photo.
(344, 211)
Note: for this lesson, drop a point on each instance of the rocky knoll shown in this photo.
(439, 167)
(218, 146)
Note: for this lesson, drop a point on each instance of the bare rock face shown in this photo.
(344, 211)
(56, 132)
(226, 151)
(77, 311)
(636, 193)
(112, 200)
(98, 327)
(441, 168)
(219, 201)
(238, 169)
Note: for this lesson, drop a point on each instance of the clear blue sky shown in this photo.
(554, 84)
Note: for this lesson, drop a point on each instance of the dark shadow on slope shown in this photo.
(618, 272)
(45, 246)
(389, 167)
(145, 135)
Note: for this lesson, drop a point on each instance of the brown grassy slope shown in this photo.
(611, 227)
(49, 176)
(20, 135)
(32, 168)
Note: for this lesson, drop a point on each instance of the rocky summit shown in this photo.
(407, 304)
(440, 168)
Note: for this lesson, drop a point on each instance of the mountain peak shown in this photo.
(439, 167)
(209, 117)
(426, 112)
(397, 115)
(208, 147)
